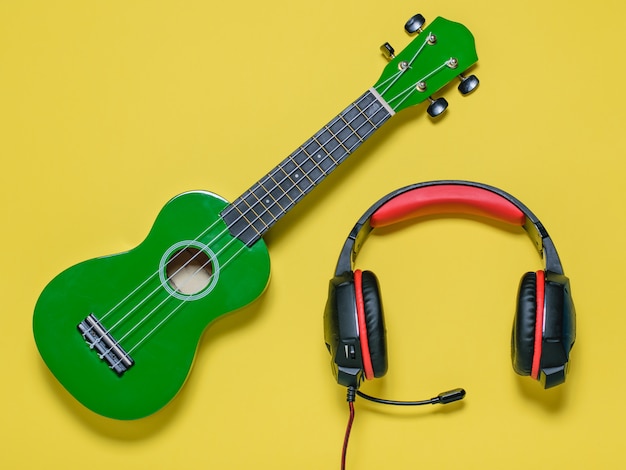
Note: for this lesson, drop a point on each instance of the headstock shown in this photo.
(439, 53)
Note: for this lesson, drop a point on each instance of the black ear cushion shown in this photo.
(374, 320)
(523, 337)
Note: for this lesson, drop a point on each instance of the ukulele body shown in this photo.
(141, 314)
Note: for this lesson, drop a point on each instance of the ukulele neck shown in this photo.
(260, 207)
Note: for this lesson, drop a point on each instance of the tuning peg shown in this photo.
(436, 107)
(468, 84)
(387, 51)
(415, 24)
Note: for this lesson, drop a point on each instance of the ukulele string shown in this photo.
(390, 82)
(235, 255)
(148, 279)
(393, 79)
(411, 89)
(176, 308)
(291, 202)
(184, 301)
(251, 208)
(407, 92)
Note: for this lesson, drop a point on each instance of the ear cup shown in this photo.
(527, 325)
(371, 321)
(342, 331)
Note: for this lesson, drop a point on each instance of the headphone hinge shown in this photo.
(359, 235)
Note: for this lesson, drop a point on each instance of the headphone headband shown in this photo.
(448, 197)
(544, 328)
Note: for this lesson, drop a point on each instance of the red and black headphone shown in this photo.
(544, 327)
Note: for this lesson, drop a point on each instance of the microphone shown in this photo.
(442, 399)
(451, 395)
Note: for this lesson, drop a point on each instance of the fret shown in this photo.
(257, 211)
(309, 165)
(253, 213)
(340, 132)
(330, 144)
(285, 198)
(359, 123)
(291, 180)
(238, 225)
(350, 124)
(273, 200)
(350, 138)
(263, 204)
(317, 153)
(294, 172)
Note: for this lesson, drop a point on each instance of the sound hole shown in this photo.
(189, 271)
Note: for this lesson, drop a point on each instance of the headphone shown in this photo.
(544, 327)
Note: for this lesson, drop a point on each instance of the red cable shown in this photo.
(347, 436)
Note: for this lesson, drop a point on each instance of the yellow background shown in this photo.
(108, 109)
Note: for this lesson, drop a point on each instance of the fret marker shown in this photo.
(297, 175)
(267, 201)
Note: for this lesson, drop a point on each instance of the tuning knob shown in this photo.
(436, 107)
(415, 24)
(468, 84)
(388, 51)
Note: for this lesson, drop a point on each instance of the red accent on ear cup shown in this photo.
(540, 292)
(375, 323)
(446, 199)
(360, 314)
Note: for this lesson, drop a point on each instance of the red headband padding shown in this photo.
(447, 199)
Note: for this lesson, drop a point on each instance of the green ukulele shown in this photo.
(120, 332)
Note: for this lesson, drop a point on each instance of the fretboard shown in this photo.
(260, 207)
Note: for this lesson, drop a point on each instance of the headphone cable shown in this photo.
(350, 399)
(443, 399)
